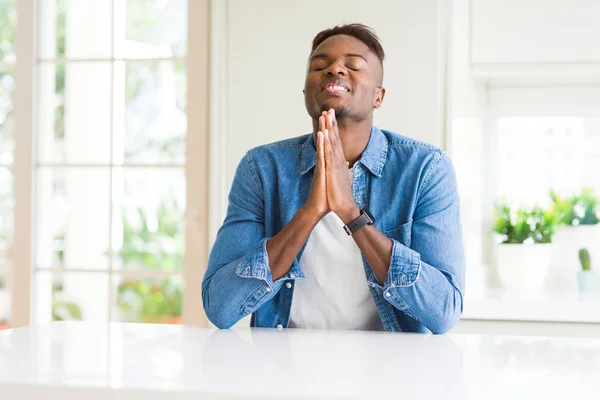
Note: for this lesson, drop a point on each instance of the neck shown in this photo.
(355, 137)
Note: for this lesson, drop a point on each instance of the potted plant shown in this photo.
(525, 247)
(586, 277)
(579, 218)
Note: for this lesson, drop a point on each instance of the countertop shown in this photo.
(134, 361)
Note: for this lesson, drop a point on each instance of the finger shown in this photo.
(333, 125)
(327, 150)
(322, 126)
(320, 158)
(336, 132)
(333, 138)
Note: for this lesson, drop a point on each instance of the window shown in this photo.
(526, 143)
(111, 180)
(539, 154)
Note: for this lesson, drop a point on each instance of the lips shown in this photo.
(337, 87)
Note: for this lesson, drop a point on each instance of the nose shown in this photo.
(335, 69)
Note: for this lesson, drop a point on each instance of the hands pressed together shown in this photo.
(331, 188)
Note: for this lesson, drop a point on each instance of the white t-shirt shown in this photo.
(335, 294)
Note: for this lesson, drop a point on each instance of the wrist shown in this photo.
(313, 215)
(349, 214)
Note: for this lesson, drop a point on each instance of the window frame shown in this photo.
(24, 168)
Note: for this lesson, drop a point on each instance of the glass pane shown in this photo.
(5, 303)
(536, 154)
(150, 28)
(8, 19)
(74, 29)
(7, 205)
(7, 93)
(149, 218)
(73, 217)
(71, 296)
(74, 113)
(151, 300)
(150, 112)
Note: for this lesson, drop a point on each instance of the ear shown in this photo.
(379, 95)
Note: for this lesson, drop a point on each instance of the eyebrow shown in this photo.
(325, 56)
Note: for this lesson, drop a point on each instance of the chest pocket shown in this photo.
(402, 234)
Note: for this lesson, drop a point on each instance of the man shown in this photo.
(350, 227)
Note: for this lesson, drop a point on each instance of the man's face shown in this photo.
(345, 75)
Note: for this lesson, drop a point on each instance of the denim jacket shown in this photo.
(410, 189)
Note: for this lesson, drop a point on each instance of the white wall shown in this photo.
(536, 31)
(466, 111)
(267, 50)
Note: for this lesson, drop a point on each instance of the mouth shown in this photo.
(336, 88)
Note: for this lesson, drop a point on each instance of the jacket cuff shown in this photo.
(405, 266)
(255, 264)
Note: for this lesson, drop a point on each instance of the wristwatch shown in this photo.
(365, 218)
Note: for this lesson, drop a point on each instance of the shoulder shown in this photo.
(283, 151)
(277, 157)
(291, 144)
(399, 144)
(418, 156)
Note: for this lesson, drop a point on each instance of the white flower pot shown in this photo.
(587, 280)
(568, 240)
(523, 267)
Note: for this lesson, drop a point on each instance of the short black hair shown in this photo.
(359, 31)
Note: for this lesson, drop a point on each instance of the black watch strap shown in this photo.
(365, 218)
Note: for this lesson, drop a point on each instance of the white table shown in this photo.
(129, 361)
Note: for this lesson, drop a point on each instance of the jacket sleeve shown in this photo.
(238, 279)
(426, 280)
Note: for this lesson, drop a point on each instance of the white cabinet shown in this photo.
(535, 31)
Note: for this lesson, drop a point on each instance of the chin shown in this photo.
(341, 111)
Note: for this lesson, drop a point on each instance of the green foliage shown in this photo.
(534, 225)
(590, 204)
(584, 258)
(580, 209)
(66, 311)
(152, 241)
(63, 310)
(61, 27)
(149, 300)
(8, 22)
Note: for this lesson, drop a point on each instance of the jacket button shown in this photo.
(288, 285)
(280, 327)
(268, 289)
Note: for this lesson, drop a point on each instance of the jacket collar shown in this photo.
(373, 158)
